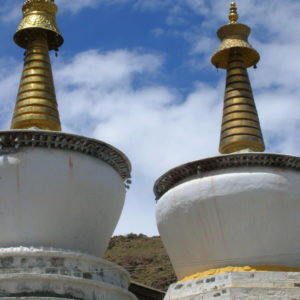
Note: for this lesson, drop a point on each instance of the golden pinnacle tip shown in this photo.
(233, 16)
(39, 15)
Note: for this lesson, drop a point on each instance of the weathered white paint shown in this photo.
(57, 273)
(237, 216)
(58, 198)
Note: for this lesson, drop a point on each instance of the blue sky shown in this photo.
(137, 74)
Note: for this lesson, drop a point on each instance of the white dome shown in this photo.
(59, 196)
(245, 215)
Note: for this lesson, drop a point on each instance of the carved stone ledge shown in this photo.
(12, 140)
(43, 273)
(200, 167)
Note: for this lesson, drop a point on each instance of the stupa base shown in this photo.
(37, 273)
(238, 285)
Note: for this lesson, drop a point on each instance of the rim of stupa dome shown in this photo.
(200, 168)
(21, 138)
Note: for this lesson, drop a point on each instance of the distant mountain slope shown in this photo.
(144, 257)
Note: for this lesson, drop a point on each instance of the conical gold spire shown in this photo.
(240, 124)
(36, 104)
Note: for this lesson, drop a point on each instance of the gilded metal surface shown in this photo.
(36, 104)
(39, 15)
(239, 131)
(239, 116)
(238, 100)
(38, 33)
(233, 16)
(232, 143)
(36, 94)
(239, 108)
(14, 140)
(234, 71)
(237, 123)
(202, 168)
(39, 121)
(237, 78)
(238, 86)
(35, 87)
(234, 36)
(238, 94)
(240, 124)
(42, 72)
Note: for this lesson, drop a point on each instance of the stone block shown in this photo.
(40, 273)
(239, 286)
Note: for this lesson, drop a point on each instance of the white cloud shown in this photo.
(9, 79)
(158, 31)
(152, 4)
(76, 5)
(100, 86)
(205, 46)
(278, 62)
(111, 69)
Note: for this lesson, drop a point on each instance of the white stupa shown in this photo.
(236, 215)
(61, 194)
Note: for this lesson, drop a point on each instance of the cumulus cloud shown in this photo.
(9, 78)
(152, 4)
(101, 87)
(76, 5)
(277, 93)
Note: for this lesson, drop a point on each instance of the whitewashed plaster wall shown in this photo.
(58, 198)
(237, 216)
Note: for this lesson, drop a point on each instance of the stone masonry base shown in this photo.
(238, 286)
(37, 273)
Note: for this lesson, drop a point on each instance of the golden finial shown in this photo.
(233, 16)
(240, 125)
(38, 33)
(39, 15)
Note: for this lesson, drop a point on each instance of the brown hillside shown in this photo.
(144, 257)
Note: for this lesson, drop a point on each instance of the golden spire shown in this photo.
(240, 124)
(38, 33)
(233, 16)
